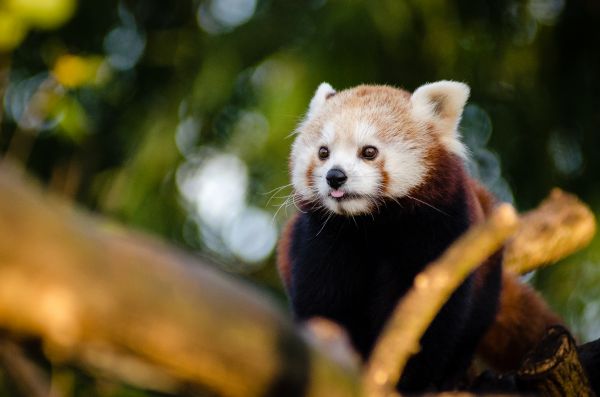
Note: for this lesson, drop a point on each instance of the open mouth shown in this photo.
(340, 195)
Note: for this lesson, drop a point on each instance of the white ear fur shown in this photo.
(323, 92)
(442, 102)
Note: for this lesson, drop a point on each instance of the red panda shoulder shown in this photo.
(284, 261)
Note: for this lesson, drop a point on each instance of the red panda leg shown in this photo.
(521, 322)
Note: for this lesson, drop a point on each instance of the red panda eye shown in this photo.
(323, 152)
(369, 152)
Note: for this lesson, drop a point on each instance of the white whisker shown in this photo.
(427, 204)
(324, 223)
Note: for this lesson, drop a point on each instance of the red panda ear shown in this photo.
(324, 92)
(443, 103)
(443, 100)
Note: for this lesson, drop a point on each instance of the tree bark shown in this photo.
(561, 225)
(154, 316)
(146, 312)
(553, 368)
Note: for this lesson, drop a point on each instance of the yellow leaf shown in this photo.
(46, 14)
(12, 30)
(75, 71)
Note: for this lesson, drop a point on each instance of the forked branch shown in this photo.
(431, 289)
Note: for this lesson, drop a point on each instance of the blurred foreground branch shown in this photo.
(561, 225)
(143, 311)
(155, 317)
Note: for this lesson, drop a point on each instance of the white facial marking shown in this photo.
(328, 132)
(345, 131)
(403, 164)
(363, 132)
(406, 168)
(302, 155)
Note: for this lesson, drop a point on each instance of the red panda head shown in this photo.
(357, 148)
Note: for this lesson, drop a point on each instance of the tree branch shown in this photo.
(561, 225)
(553, 368)
(91, 290)
(431, 289)
(154, 316)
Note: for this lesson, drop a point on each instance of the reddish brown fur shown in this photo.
(284, 265)
(523, 315)
(486, 199)
(309, 174)
(387, 108)
(385, 177)
(437, 186)
(519, 326)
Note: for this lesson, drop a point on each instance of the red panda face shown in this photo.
(363, 146)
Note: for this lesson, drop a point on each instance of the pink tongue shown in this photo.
(337, 193)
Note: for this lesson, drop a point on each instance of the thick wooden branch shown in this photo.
(553, 368)
(431, 289)
(152, 315)
(561, 225)
(96, 294)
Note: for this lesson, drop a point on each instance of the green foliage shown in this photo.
(175, 117)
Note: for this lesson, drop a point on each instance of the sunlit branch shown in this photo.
(561, 225)
(98, 295)
(431, 289)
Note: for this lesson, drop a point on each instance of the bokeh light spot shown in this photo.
(475, 126)
(565, 152)
(75, 71)
(186, 135)
(546, 11)
(219, 16)
(45, 14)
(216, 187)
(12, 30)
(125, 44)
(251, 235)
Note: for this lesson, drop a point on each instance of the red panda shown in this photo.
(379, 177)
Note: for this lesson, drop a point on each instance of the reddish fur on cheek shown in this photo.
(309, 174)
(385, 177)
(434, 152)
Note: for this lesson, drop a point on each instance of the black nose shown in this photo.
(336, 177)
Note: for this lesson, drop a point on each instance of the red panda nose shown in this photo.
(335, 177)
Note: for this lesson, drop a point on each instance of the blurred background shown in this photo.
(174, 117)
